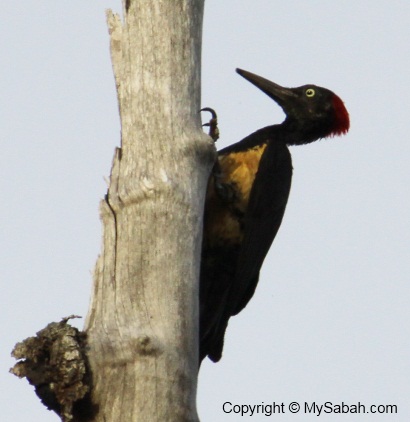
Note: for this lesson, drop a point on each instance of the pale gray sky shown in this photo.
(330, 318)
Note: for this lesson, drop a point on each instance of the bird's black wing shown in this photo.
(266, 207)
(267, 203)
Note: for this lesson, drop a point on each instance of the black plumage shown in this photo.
(246, 200)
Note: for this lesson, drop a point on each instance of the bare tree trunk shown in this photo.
(143, 319)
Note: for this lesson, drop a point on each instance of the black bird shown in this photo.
(246, 200)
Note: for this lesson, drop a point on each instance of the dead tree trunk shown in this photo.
(143, 317)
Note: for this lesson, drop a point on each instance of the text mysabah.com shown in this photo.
(314, 408)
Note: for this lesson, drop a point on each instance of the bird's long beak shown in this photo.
(278, 93)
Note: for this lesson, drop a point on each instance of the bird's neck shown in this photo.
(290, 132)
(296, 132)
(255, 139)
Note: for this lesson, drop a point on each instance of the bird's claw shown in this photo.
(213, 124)
(225, 191)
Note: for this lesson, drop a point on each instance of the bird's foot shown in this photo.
(225, 191)
(212, 124)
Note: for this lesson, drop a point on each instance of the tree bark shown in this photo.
(142, 325)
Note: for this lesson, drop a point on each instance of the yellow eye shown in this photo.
(310, 92)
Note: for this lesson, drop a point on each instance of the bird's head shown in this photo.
(311, 112)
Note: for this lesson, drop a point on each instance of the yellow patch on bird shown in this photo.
(240, 168)
(237, 173)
